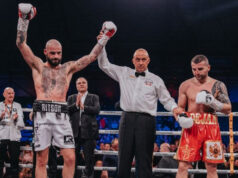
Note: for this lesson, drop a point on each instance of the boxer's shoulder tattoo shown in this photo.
(21, 36)
(52, 79)
(219, 91)
(68, 65)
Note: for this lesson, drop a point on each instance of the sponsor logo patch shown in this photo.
(68, 139)
(148, 82)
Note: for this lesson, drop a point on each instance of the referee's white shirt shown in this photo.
(138, 94)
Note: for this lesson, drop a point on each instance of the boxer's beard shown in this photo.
(54, 61)
(200, 77)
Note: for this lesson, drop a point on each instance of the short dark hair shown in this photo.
(199, 58)
(82, 78)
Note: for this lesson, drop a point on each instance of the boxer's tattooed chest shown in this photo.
(52, 80)
(219, 91)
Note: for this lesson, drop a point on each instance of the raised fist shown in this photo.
(108, 30)
(26, 11)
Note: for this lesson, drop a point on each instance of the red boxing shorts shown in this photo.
(203, 137)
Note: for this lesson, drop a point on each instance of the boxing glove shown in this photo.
(185, 121)
(205, 97)
(26, 12)
(108, 29)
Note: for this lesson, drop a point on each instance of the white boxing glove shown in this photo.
(108, 29)
(185, 121)
(204, 97)
(26, 12)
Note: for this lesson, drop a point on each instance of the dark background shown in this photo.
(172, 31)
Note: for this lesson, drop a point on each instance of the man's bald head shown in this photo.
(9, 94)
(141, 50)
(52, 43)
(8, 89)
(141, 60)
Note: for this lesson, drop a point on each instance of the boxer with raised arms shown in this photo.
(51, 80)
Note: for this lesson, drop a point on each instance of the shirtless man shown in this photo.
(202, 96)
(51, 80)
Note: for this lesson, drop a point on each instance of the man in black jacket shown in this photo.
(83, 109)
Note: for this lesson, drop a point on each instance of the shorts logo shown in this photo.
(51, 108)
(68, 139)
(214, 150)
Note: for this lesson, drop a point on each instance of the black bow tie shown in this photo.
(137, 74)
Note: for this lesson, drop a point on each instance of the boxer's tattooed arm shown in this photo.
(95, 52)
(219, 91)
(85, 60)
(21, 37)
(82, 62)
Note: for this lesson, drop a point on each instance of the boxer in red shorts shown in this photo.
(202, 96)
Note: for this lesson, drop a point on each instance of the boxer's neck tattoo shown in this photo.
(219, 91)
(53, 79)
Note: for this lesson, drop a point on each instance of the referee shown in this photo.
(140, 90)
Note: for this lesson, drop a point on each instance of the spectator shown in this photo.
(11, 123)
(26, 158)
(83, 110)
(97, 174)
(111, 160)
(156, 158)
(102, 146)
(166, 162)
(107, 146)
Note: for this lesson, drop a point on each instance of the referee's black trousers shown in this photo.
(136, 138)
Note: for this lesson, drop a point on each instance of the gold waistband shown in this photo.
(204, 118)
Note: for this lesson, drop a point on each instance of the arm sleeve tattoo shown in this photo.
(21, 36)
(219, 91)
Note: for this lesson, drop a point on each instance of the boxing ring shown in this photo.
(229, 133)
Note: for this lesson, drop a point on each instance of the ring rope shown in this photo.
(118, 113)
(104, 152)
(224, 133)
(160, 170)
(227, 133)
(163, 132)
